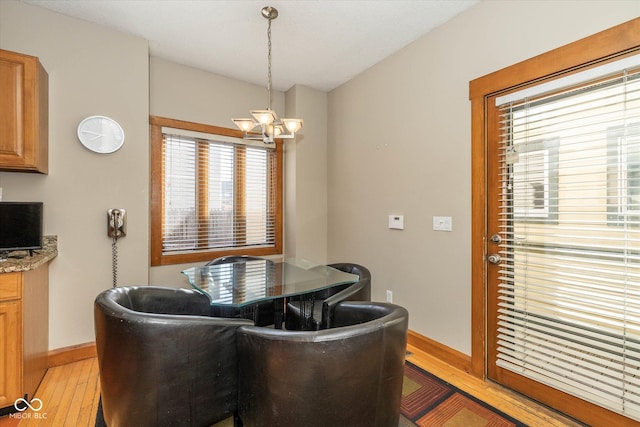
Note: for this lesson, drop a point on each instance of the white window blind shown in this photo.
(218, 195)
(569, 299)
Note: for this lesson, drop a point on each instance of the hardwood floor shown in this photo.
(507, 401)
(70, 393)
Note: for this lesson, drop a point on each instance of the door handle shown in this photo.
(494, 259)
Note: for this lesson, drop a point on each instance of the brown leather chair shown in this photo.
(262, 313)
(162, 360)
(349, 375)
(308, 313)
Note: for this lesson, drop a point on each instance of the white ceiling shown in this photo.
(317, 43)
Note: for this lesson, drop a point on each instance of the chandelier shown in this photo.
(265, 125)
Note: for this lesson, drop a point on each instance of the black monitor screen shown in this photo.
(21, 225)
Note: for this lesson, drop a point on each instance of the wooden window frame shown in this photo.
(157, 197)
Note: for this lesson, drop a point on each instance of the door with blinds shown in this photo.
(563, 290)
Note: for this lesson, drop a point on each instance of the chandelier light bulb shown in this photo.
(269, 130)
(245, 125)
(293, 125)
(264, 117)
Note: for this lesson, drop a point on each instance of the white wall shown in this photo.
(185, 93)
(399, 143)
(306, 177)
(92, 71)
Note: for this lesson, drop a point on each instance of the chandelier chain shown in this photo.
(269, 61)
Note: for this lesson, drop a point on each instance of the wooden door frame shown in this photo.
(612, 43)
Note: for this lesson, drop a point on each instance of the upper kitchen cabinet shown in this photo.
(24, 113)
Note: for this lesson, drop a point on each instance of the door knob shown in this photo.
(494, 259)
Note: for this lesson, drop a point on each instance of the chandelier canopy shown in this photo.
(265, 125)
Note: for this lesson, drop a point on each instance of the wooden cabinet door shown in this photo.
(10, 352)
(24, 113)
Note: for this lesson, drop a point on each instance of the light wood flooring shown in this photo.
(70, 393)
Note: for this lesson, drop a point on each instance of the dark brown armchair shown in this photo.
(162, 360)
(316, 312)
(349, 375)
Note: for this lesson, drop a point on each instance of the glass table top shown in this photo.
(241, 283)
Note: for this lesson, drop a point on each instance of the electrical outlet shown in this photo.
(389, 296)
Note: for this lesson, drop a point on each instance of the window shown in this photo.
(213, 194)
(623, 174)
(534, 169)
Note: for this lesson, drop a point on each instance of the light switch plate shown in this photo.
(442, 223)
(396, 222)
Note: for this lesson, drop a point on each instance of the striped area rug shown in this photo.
(429, 401)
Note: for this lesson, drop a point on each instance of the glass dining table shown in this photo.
(246, 284)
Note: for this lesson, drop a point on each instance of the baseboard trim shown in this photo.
(434, 348)
(74, 353)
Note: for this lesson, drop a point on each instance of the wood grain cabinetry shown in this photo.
(24, 113)
(24, 332)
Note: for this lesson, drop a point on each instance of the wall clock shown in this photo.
(100, 134)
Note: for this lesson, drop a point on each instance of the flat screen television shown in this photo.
(21, 226)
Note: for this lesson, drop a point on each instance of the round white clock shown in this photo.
(100, 134)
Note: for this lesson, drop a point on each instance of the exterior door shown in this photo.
(557, 243)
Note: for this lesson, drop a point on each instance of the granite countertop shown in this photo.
(22, 261)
